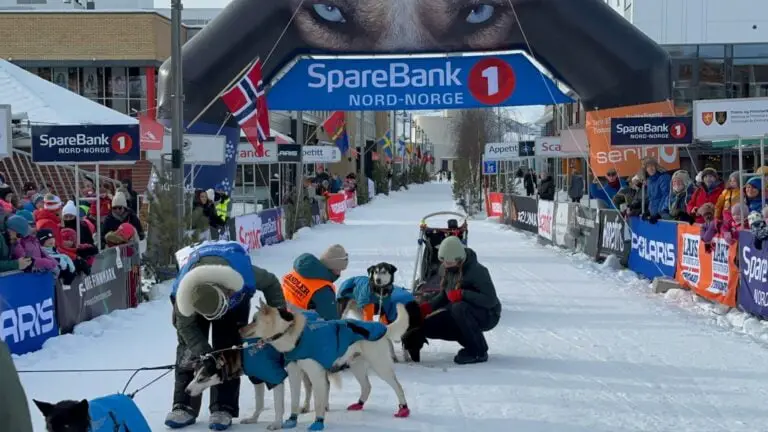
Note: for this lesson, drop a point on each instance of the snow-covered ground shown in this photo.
(578, 348)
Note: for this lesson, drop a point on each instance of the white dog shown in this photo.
(316, 347)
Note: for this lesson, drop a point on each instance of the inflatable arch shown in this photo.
(585, 44)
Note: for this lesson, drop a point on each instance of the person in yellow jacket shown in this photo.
(310, 285)
(222, 201)
(730, 196)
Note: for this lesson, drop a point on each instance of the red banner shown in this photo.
(337, 207)
(495, 200)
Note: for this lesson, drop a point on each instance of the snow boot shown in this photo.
(179, 418)
(219, 421)
(465, 357)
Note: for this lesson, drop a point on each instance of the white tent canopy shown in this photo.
(45, 103)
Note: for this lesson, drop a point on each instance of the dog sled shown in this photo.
(426, 279)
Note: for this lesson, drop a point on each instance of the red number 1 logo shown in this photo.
(491, 81)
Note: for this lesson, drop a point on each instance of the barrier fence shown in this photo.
(733, 274)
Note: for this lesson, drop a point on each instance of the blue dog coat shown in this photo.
(116, 413)
(358, 289)
(327, 341)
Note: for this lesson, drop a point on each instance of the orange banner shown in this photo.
(712, 274)
(626, 159)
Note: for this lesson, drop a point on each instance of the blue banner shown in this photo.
(85, 144)
(412, 83)
(654, 248)
(638, 131)
(271, 226)
(27, 311)
(752, 295)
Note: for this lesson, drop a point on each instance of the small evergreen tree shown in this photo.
(362, 190)
(297, 216)
(380, 178)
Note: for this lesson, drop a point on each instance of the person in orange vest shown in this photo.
(310, 285)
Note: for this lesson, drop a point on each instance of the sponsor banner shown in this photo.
(753, 276)
(248, 231)
(86, 144)
(715, 119)
(495, 204)
(626, 159)
(351, 199)
(642, 131)
(27, 311)
(412, 83)
(562, 236)
(321, 154)
(200, 149)
(289, 153)
(490, 167)
(337, 207)
(526, 149)
(521, 212)
(6, 130)
(182, 255)
(104, 290)
(587, 231)
(654, 248)
(501, 151)
(546, 219)
(152, 134)
(707, 271)
(549, 147)
(271, 226)
(613, 236)
(246, 154)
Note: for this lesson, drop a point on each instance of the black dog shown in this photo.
(66, 416)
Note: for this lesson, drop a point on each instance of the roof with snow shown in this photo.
(46, 103)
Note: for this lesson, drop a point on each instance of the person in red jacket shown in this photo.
(48, 216)
(707, 192)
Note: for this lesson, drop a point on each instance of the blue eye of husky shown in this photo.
(329, 13)
(480, 14)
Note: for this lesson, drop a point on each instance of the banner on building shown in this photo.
(336, 207)
(57, 144)
(104, 290)
(546, 220)
(27, 310)
(246, 154)
(521, 213)
(613, 238)
(654, 248)
(715, 119)
(753, 276)
(707, 270)
(588, 232)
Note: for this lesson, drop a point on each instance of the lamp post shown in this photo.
(177, 119)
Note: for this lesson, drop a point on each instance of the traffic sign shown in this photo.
(490, 167)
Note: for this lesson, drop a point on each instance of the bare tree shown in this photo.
(473, 129)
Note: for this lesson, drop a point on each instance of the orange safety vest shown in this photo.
(369, 312)
(298, 290)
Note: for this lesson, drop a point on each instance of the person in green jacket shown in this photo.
(14, 410)
(466, 306)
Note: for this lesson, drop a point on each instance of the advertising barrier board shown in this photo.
(588, 228)
(753, 276)
(654, 248)
(614, 238)
(495, 204)
(707, 270)
(248, 231)
(271, 226)
(351, 199)
(337, 207)
(85, 144)
(27, 310)
(546, 220)
(521, 212)
(106, 289)
(562, 235)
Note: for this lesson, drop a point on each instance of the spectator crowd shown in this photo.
(41, 233)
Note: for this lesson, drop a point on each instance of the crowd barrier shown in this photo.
(732, 274)
(35, 307)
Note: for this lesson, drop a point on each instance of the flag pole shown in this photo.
(213, 101)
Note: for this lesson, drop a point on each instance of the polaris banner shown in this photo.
(613, 235)
(412, 83)
(27, 311)
(521, 212)
(654, 248)
(99, 293)
(85, 144)
(586, 225)
(639, 131)
(752, 294)
(271, 226)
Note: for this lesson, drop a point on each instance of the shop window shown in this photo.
(682, 51)
(750, 77)
(750, 50)
(137, 83)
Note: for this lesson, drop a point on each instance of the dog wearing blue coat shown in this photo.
(113, 413)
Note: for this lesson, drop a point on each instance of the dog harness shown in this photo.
(358, 289)
(327, 341)
(236, 257)
(116, 413)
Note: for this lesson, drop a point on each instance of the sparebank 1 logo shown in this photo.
(491, 81)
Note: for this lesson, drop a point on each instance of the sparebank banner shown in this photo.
(412, 83)
(753, 280)
(654, 248)
(85, 144)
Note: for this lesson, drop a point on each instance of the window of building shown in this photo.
(749, 77)
(750, 50)
(712, 51)
(682, 51)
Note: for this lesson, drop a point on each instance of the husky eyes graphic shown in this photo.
(480, 14)
(329, 13)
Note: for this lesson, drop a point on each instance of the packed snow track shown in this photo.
(576, 349)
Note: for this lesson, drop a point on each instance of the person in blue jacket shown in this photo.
(605, 191)
(657, 183)
(213, 292)
(310, 284)
(358, 288)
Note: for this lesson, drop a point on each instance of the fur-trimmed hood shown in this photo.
(222, 276)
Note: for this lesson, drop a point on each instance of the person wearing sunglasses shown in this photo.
(605, 191)
(119, 214)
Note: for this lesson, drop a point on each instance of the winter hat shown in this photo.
(69, 209)
(17, 224)
(451, 249)
(126, 231)
(119, 200)
(51, 202)
(705, 209)
(708, 172)
(36, 198)
(69, 235)
(27, 215)
(756, 182)
(683, 176)
(335, 258)
(43, 235)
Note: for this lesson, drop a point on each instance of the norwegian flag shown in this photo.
(247, 101)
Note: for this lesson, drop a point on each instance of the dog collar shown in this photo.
(276, 336)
